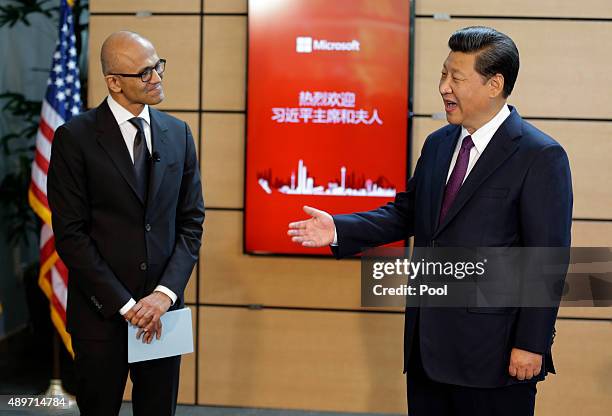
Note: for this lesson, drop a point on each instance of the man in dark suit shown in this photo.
(488, 178)
(126, 199)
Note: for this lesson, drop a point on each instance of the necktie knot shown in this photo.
(467, 143)
(137, 122)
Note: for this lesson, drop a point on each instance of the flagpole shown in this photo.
(55, 384)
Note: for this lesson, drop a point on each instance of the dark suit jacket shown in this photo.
(519, 193)
(115, 245)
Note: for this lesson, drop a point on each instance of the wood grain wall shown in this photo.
(289, 332)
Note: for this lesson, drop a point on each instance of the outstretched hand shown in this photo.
(317, 231)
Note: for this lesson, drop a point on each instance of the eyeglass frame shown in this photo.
(150, 70)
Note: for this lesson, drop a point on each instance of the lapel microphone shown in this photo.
(155, 157)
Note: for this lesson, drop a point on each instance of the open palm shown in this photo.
(317, 231)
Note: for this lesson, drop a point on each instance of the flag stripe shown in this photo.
(47, 250)
(59, 287)
(41, 162)
(62, 271)
(46, 266)
(38, 194)
(60, 325)
(51, 116)
(46, 232)
(39, 180)
(46, 130)
(43, 145)
(57, 305)
(39, 207)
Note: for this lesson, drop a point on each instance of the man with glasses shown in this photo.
(126, 198)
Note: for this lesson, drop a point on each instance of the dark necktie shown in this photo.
(141, 158)
(457, 176)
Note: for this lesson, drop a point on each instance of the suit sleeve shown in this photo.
(389, 223)
(546, 219)
(189, 219)
(68, 198)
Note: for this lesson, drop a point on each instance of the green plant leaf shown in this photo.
(18, 11)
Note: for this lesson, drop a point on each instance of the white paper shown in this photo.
(176, 338)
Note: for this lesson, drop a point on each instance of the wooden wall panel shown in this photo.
(222, 162)
(225, 40)
(156, 6)
(540, 8)
(228, 276)
(351, 361)
(181, 77)
(188, 369)
(421, 128)
(288, 359)
(586, 312)
(192, 120)
(583, 359)
(592, 234)
(589, 155)
(225, 6)
(190, 290)
(186, 393)
(561, 73)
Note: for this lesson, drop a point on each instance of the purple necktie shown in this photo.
(457, 176)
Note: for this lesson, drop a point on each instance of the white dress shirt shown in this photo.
(128, 131)
(481, 139)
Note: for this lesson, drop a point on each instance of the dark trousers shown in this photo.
(431, 398)
(101, 372)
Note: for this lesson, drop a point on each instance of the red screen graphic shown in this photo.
(327, 112)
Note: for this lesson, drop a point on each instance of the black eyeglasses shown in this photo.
(146, 75)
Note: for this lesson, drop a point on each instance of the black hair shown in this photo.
(497, 53)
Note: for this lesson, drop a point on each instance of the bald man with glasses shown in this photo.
(126, 198)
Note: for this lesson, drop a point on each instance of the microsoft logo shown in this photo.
(306, 44)
(303, 44)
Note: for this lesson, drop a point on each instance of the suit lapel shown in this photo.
(443, 158)
(159, 143)
(110, 138)
(500, 148)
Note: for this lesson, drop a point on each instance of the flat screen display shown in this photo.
(327, 112)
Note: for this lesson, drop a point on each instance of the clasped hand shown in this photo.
(146, 313)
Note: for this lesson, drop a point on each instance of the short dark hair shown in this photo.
(497, 53)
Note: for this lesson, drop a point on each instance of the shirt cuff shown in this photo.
(126, 308)
(335, 242)
(167, 292)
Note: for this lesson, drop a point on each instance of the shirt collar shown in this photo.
(122, 115)
(483, 135)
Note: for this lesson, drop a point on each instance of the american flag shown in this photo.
(62, 101)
